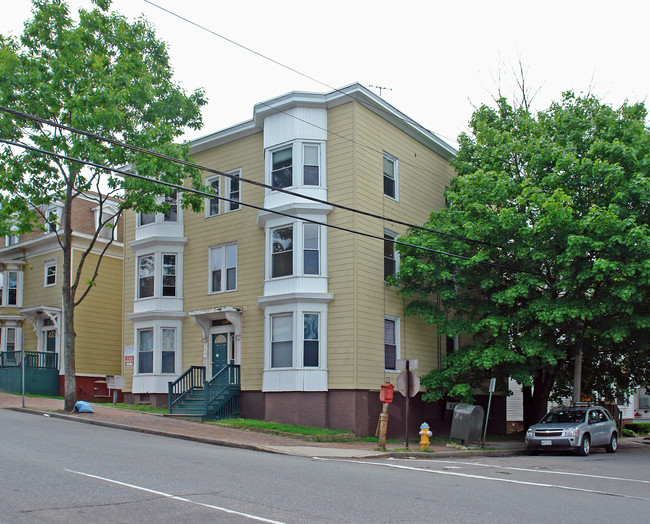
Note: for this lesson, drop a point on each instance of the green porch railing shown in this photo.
(226, 384)
(33, 359)
(189, 381)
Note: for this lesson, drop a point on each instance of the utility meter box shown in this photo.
(467, 423)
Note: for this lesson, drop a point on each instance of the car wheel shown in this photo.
(585, 446)
(613, 444)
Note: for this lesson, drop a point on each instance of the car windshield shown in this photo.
(573, 415)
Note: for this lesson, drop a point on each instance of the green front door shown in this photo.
(219, 352)
(50, 348)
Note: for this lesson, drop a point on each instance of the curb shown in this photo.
(253, 447)
(149, 431)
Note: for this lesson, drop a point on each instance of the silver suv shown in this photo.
(576, 428)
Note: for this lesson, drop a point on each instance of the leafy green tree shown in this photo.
(102, 74)
(560, 204)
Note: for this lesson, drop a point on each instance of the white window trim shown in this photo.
(298, 251)
(157, 326)
(398, 338)
(320, 335)
(395, 161)
(394, 236)
(162, 275)
(292, 315)
(159, 218)
(108, 209)
(17, 341)
(5, 288)
(11, 239)
(138, 277)
(48, 263)
(224, 269)
(57, 209)
(297, 163)
(297, 312)
(225, 190)
(158, 275)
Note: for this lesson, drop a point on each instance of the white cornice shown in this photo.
(157, 315)
(335, 98)
(294, 298)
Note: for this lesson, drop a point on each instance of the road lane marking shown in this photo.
(481, 477)
(532, 470)
(175, 497)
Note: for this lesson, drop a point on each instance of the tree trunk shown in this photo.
(536, 398)
(67, 294)
(69, 336)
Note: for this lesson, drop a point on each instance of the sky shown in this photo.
(439, 60)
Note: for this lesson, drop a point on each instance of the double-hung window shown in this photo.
(311, 165)
(169, 275)
(302, 239)
(145, 351)
(8, 345)
(9, 288)
(172, 214)
(307, 157)
(52, 221)
(157, 348)
(391, 342)
(223, 268)
(282, 341)
(311, 243)
(50, 273)
(282, 168)
(147, 218)
(213, 206)
(146, 274)
(168, 350)
(224, 187)
(282, 251)
(390, 254)
(390, 176)
(234, 191)
(311, 339)
(12, 288)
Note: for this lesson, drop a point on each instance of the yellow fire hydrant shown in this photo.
(424, 437)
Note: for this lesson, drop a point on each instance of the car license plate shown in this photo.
(547, 442)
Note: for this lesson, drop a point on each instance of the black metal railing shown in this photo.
(189, 381)
(33, 359)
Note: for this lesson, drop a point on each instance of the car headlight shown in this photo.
(572, 432)
(530, 432)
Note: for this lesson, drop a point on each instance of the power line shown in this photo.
(181, 188)
(374, 106)
(112, 141)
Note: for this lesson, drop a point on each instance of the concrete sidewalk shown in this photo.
(156, 424)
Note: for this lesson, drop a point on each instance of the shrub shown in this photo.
(628, 433)
(638, 427)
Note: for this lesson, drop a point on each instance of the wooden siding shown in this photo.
(356, 265)
(356, 141)
(98, 318)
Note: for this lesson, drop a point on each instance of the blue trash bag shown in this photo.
(83, 407)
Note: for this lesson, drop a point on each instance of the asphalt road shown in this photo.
(58, 471)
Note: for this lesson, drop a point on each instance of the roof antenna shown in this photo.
(381, 88)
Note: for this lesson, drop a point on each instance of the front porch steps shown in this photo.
(187, 395)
